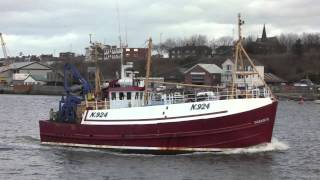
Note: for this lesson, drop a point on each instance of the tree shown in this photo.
(310, 40)
(197, 40)
(169, 43)
(297, 48)
(225, 41)
(288, 40)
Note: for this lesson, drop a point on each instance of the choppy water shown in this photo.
(293, 154)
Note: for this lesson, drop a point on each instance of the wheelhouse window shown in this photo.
(136, 96)
(121, 95)
(141, 95)
(128, 95)
(113, 96)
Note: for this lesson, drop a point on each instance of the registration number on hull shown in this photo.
(201, 106)
(98, 115)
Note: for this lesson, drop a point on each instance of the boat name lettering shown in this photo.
(261, 120)
(200, 106)
(98, 114)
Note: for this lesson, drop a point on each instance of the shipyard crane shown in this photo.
(3, 44)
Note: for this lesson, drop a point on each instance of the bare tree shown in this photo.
(224, 41)
(288, 40)
(212, 43)
(169, 43)
(310, 40)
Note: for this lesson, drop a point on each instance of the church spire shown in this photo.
(264, 33)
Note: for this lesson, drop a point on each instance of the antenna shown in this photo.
(71, 47)
(126, 35)
(233, 33)
(126, 29)
(160, 48)
(119, 27)
(119, 31)
(90, 36)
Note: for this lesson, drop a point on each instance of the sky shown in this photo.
(53, 26)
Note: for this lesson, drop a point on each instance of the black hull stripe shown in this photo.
(154, 119)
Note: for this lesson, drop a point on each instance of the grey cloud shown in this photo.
(44, 25)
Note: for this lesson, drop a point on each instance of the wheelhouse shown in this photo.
(124, 97)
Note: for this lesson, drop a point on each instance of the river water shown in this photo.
(293, 154)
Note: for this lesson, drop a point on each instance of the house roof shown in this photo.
(247, 63)
(19, 65)
(268, 40)
(37, 77)
(210, 68)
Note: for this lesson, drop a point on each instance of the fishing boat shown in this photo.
(133, 118)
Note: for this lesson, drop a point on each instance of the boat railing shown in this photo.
(96, 104)
(176, 98)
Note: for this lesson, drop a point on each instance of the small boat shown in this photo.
(134, 118)
(317, 101)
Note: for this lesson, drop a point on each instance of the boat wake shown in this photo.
(275, 145)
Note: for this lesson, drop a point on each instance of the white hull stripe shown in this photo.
(177, 117)
(138, 148)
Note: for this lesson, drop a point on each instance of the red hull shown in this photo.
(233, 131)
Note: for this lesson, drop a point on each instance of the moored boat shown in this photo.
(133, 118)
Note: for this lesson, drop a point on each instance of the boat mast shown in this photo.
(97, 73)
(237, 54)
(239, 67)
(146, 81)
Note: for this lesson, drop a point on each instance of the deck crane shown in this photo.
(3, 44)
(68, 103)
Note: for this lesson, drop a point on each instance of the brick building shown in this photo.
(203, 74)
(130, 53)
(107, 52)
(66, 56)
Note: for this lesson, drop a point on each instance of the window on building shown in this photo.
(136, 96)
(229, 67)
(240, 76)
(197, 78)
(128, 50)
(136, 50)
(141, 95)
(128, 95)
(121, 96)
(113, 96)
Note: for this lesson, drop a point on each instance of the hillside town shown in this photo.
(193, 60)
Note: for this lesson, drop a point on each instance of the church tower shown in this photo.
(264, 34)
